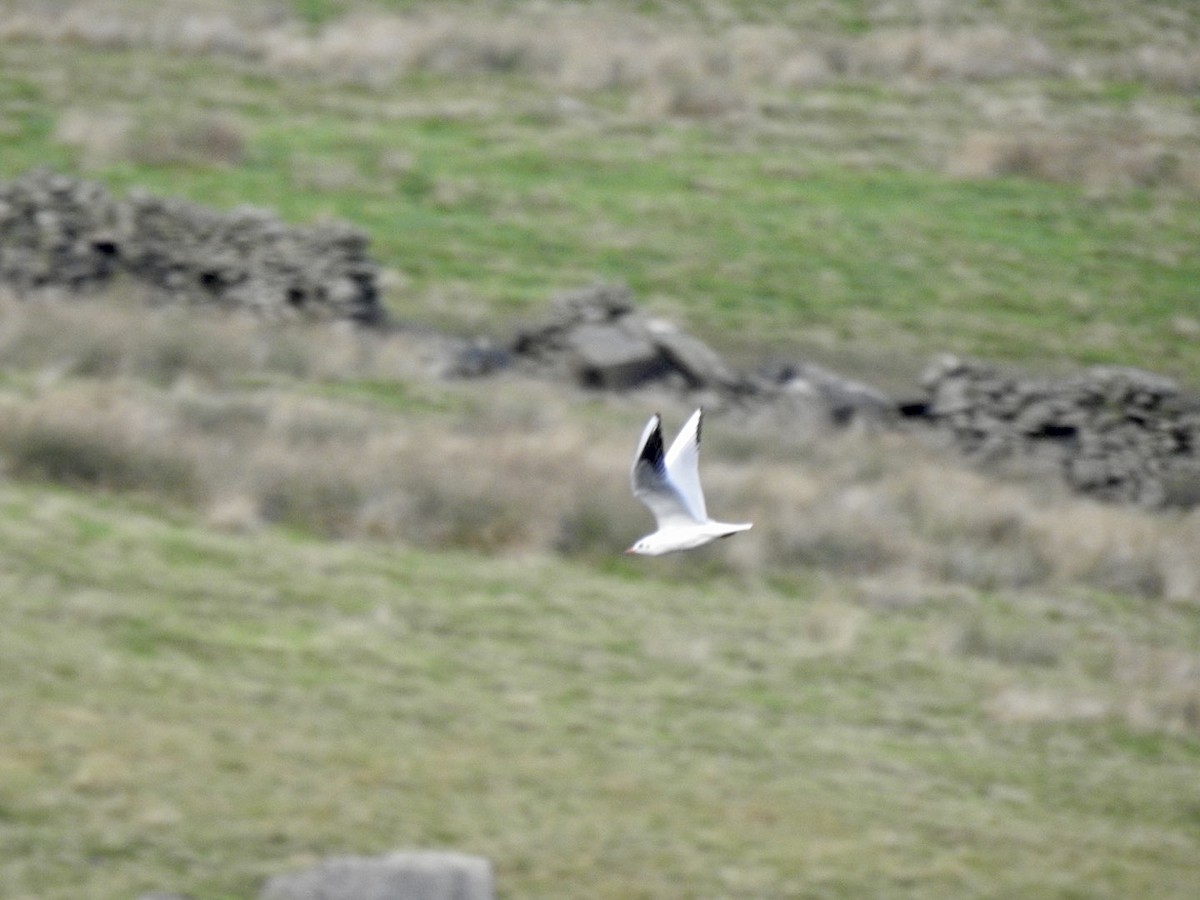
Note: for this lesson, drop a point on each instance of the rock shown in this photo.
(59, 231)
(699, 364)
(56, 231)
(595, 337)
(475, 359)
(598, 338)
(1122, 434)
(421, 875)
(613, 356)
(845, 400)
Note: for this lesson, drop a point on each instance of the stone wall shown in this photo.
(57, 231)
(1120, 434)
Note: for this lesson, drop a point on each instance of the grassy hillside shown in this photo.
(973, 183)
(193, 711)
(272, 593)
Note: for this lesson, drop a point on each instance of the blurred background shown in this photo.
(279, 584)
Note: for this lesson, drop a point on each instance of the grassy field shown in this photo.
(902, 198)
(194, 711)
(269, 594)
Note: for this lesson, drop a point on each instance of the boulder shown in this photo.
(699, 365)
(420, 875)
(613, 355)
(600, 339)
(844, 399)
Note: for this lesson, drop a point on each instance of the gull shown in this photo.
(670, 486)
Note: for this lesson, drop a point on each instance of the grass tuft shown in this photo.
(96, 439)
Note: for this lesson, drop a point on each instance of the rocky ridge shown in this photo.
(1119, 434)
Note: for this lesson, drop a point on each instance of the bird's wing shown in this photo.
(651, 481)
(683, 467)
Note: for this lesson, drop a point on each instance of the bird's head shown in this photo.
(647, 546)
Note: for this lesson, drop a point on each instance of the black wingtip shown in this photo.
(652, 450)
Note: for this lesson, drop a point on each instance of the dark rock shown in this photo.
(613, 355)
(598, 338)
(397, 876)
(845, 399)
(595, 337)
(1122, 434)
(58, 231)
(477, 358)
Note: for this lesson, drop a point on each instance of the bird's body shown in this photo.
(669, 484)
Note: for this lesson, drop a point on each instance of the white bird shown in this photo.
(670, 486)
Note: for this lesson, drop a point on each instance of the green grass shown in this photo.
(749, 235)
(192, 712)
(908, 681)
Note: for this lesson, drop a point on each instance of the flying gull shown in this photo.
(669, 484)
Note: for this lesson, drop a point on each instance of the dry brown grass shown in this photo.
(985, 53)
(1170, 68)
(1148, 689)
(104, 137)
(344, 434)
(1097, 159)
(949, 77)
(96, 437)
(196, 27)
(588, 49)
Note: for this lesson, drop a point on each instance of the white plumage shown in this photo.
(669, 484)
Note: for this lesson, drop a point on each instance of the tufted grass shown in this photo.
(346, 435)
(269, 595)
(191, 711)
(1044, 217)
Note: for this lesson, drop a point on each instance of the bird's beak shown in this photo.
(628, 551)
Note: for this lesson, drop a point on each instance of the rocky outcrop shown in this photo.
(1119, 433)
(597, 338)
(62, 232)
(397, 876)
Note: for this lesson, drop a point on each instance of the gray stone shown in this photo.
(613, 356)
(845, 399)
(475, 359)
(699, 364)
(1122, 434)
(61, 232)
(418, 875)
(597, 337)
